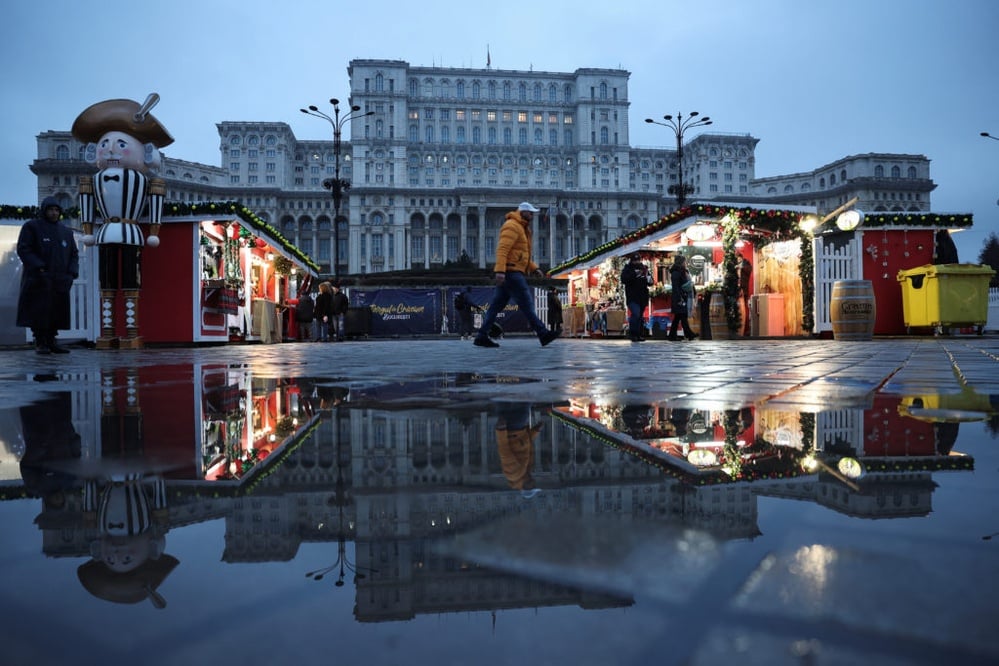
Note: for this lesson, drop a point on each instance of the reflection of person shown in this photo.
(681, 296)
(554, 310)
(635, 278)
(49, 437)
(515, 440)
(465, 309)
(513, 263)
(51, 262)
(123, 139)
(338, 309)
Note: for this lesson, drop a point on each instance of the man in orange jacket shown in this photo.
(513, 262)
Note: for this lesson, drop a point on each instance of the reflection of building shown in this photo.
(384, 483)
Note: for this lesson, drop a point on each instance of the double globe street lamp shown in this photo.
(679, 125)
(336, 185)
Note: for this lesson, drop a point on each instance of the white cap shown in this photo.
(528, 207)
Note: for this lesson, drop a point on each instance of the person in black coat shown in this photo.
(48, 251)
(635, 278)
(681, 295)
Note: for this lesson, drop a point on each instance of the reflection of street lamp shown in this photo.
(340, 499)
(336, 185)
(679, 126)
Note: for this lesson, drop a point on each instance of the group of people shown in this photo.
(636, 280)
(325, 316)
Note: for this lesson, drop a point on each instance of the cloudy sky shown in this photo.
(814, 81)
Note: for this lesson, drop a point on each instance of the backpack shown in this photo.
(305, 310)
(459, 301)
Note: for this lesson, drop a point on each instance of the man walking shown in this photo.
(51, 261)
(513, 262)
(339, 308)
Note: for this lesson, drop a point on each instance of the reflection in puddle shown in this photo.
(415, 481)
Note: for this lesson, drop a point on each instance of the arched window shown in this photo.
(879, 171)
(507, 136)
(538, 137)
(604, 136)
(822, 183)
(476, 135)
(537, 92)
(62, 153)
(842, 176)
(788, 189)
(896, 172)
(507, 90)
(552, 93)
(492, 90)
(476, 89)
(603, 90)
(460, 135)
(553, 137)
(414, 133)
(459, 89)
(522, 136)
(912, 172)
(771, 190)
(567, 91)
(379, 82)
(522, 92)
(832, 179)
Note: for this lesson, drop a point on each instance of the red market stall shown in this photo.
(220, 274)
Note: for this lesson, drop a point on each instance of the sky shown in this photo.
(814, 81)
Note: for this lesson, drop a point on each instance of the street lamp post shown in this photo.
(336, 185)
(679, 125)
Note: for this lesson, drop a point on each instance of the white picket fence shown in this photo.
(836, 258)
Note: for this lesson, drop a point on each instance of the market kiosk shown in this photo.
(767, 301)
(220, 274)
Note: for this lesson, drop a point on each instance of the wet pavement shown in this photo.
(595, 501)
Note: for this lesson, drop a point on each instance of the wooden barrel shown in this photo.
(716, 316)
(852, 310)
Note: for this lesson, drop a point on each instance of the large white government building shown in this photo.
(446, 152)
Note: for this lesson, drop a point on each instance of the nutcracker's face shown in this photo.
(117, 149)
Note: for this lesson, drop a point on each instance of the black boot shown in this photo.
(42, 346)
(56, 349)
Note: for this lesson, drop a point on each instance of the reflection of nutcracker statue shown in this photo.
(123, 139)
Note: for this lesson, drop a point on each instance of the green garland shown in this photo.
(730, 275)
(181, 209)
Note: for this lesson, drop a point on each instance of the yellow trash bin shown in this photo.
(945, 295)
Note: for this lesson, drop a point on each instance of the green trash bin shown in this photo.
(945, 295)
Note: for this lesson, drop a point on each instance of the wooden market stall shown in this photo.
(225, 274)
(711, 238)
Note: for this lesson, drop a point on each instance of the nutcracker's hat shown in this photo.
(121, 115)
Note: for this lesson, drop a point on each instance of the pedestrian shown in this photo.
(465, 308)
(339, 312)
(323, 311)
(635, 278)
(51, 262)
(513, 263)
(305, 312)
(681, 296)
(554, 310)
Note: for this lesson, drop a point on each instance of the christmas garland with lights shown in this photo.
(181, 209)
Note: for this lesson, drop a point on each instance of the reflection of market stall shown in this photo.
(226, 274)
(247, 420)
(711, 238)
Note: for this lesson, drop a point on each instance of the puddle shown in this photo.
(429, 496)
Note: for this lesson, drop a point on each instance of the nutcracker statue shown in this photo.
(123, 139)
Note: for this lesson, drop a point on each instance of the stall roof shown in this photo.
(225, 210)
(755, 219)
